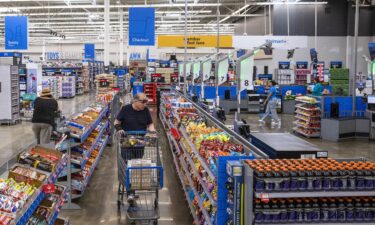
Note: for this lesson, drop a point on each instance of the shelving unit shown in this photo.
(307, 117)
(203, 184)
(150, 91)
(9, 94)
(303, 76)
(285, 76)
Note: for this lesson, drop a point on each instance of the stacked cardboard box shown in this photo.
(166, 73)
(105, 83)
(143, 178)
(340, 82)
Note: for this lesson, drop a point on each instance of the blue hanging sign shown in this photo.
(89, 51)
(284, 65)
(16, 33)
(241, 53)
(141, 26)
(302, 65)
(10, 54)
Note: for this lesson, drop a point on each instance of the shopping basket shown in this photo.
(140, 174)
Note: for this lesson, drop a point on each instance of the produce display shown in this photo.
(340, 81)
(307, 117)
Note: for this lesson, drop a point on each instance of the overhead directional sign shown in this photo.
(142, 26)
(16, 33)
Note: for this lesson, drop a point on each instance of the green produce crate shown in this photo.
(339, 74)
(339, 91)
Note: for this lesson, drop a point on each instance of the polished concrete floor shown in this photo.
(99, 204)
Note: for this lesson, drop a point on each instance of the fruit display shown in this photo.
(307, 117)
(105, 97)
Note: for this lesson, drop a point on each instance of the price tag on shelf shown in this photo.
(264, 197)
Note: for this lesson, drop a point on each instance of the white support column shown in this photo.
(106, 32)
(121, 14)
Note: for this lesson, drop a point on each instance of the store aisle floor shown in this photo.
(99, 204)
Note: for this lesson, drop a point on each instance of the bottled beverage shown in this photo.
(335, 183)
(315, 210)
(343, 178)
(283, 211)
(358, 210)
(326, 181)
(292, 214)
(351, 178)
(341, 213)
(299, 211)
(258, 217)
(277, 179)
(332, 210)
(372, 207)
(275, 211)
(360, 179)
(324, 210)
(259, 180)
(318, 179)
(269, 182)
(367, 209)
(310, 178)
(294, 184)
(285, 183)
(267, 213)
(302, 179)
(350, 216)
(369, 185)
(308, 211)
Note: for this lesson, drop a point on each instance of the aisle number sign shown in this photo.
(223, 71)
(206, 70)
(246, 73)
(194, 41)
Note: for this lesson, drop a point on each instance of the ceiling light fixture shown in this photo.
(292, 3)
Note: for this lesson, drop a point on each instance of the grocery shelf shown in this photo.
(307, 120)
(306, 135)
(57, 208)
(314, 194)
(203, 184)
(306, 127)
(307, 109)
(192, 146)
(28, 209)
(88, 153)
(306, 114)
(86, 182)
(190, 204)
(204, 211)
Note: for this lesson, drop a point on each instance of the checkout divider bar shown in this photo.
(259, 154)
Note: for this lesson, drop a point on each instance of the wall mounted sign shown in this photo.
(194, 41)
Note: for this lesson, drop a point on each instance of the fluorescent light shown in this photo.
(234, 13)
(292, 3)
(172, 15)
(9, 10)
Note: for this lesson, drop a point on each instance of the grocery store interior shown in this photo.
(262, 112)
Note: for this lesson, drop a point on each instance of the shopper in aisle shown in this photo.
(132, 80)
(45, 108)
(135, 116)
(271, 103)
(318, 88)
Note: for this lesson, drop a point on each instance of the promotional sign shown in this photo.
(278, 42)
(336, 65)
(284, 65)
(246, 73)
(223, 71)
(194, 41)
(196, 70)
(89, 51)
(16, 33)
(53, 55)
(302, 65)
(141, 26)
(206, 70)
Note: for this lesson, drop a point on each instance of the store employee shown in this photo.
(135, 116)
(318, 88)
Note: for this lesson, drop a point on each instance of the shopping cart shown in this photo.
(140, 175)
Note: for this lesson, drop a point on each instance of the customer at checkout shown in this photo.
(45, 108)
(318, 88)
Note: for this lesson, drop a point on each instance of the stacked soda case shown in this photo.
(315, 210)
(291, 175)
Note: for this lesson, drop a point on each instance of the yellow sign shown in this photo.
(194, 41)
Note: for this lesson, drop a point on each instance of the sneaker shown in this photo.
(261, 121)
(131, 200)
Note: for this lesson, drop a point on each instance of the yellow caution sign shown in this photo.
(194, 41)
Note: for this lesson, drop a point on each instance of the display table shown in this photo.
(284, 145)
(335, 129)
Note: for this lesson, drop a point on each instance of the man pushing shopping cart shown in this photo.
(139, 165)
